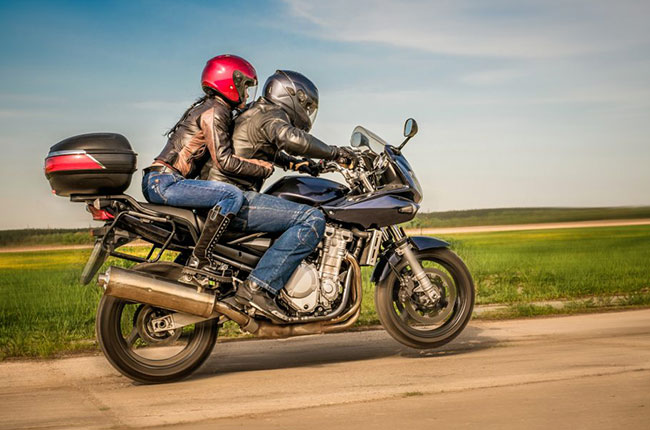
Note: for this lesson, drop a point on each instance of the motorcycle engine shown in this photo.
(317, 285)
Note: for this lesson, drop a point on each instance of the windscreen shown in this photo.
(375, 142)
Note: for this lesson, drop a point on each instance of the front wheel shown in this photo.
(126, 336)
(408, 315)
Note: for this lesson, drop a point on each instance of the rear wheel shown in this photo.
(126, 336)
(410, 317)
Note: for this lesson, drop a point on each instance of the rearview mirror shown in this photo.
(410, 127)
(358, 139)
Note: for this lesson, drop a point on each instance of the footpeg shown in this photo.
(202, 278)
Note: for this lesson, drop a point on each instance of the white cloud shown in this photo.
(513, 29)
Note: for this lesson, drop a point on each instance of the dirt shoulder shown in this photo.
(441, 231)
(540, 226)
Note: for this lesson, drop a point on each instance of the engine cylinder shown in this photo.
(334, 249)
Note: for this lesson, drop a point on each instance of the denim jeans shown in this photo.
(174, 190)
(302, 228)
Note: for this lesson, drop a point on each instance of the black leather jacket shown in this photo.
(264, 131)
(202, 134)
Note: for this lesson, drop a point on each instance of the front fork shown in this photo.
(404, 249)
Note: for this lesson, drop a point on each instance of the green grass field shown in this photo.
(44, 310)
(42, 236)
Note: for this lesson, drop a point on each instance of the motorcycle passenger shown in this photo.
(203, 133)
(277, 122)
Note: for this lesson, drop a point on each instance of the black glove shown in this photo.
(306, 165)
(345, 157)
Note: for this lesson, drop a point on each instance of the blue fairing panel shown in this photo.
(422, 243)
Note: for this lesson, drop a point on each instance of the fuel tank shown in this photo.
(307, 190)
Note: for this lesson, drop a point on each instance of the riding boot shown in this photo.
(214, 227)
(251, 294)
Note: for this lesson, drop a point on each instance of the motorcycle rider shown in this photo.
(271, 129)
(203, 133)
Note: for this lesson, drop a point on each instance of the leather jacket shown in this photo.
(264, 131)
(202, 134)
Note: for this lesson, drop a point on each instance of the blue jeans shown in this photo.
(302, 228)
(174, 190)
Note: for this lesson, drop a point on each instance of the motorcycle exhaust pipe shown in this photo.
(163, 293)
(153, 290)
(267, 330)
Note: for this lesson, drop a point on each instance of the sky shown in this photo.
(519, 103)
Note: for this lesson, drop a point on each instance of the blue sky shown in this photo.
(520, 103)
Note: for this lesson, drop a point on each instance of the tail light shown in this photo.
(100, 214)
(71, 160)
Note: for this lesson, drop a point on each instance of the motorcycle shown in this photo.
(153, 328)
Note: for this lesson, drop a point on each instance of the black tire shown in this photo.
(109, 330)
(395, 317)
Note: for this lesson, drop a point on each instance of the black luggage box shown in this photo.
(95, 163)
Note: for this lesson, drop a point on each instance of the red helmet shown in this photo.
(230, 76)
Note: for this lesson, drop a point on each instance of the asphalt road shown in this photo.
(587, 371)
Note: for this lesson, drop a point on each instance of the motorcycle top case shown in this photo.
(95, 163)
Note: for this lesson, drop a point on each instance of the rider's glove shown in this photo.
(309, 166)
(345, 157)
(305, 165)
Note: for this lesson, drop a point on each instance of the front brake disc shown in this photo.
(433, 313)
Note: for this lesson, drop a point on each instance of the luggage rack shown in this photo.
(135, 258)
(141, 213)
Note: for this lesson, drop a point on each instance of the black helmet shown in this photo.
(295, 94)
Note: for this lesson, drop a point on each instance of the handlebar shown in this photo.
(332, 166)
(356, 176)
(329, 167)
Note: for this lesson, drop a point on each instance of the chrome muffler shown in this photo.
(156, 291)
(164, 293)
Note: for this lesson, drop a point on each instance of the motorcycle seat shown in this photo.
(188, 215)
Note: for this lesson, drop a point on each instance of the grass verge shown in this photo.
(463, 218)
(593, 304)
(35, 237)
(44, 310)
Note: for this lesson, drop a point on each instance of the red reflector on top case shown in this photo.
(71, 162)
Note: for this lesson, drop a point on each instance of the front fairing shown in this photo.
(404, 173)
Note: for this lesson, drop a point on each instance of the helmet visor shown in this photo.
(250, 92)
(312, 111)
